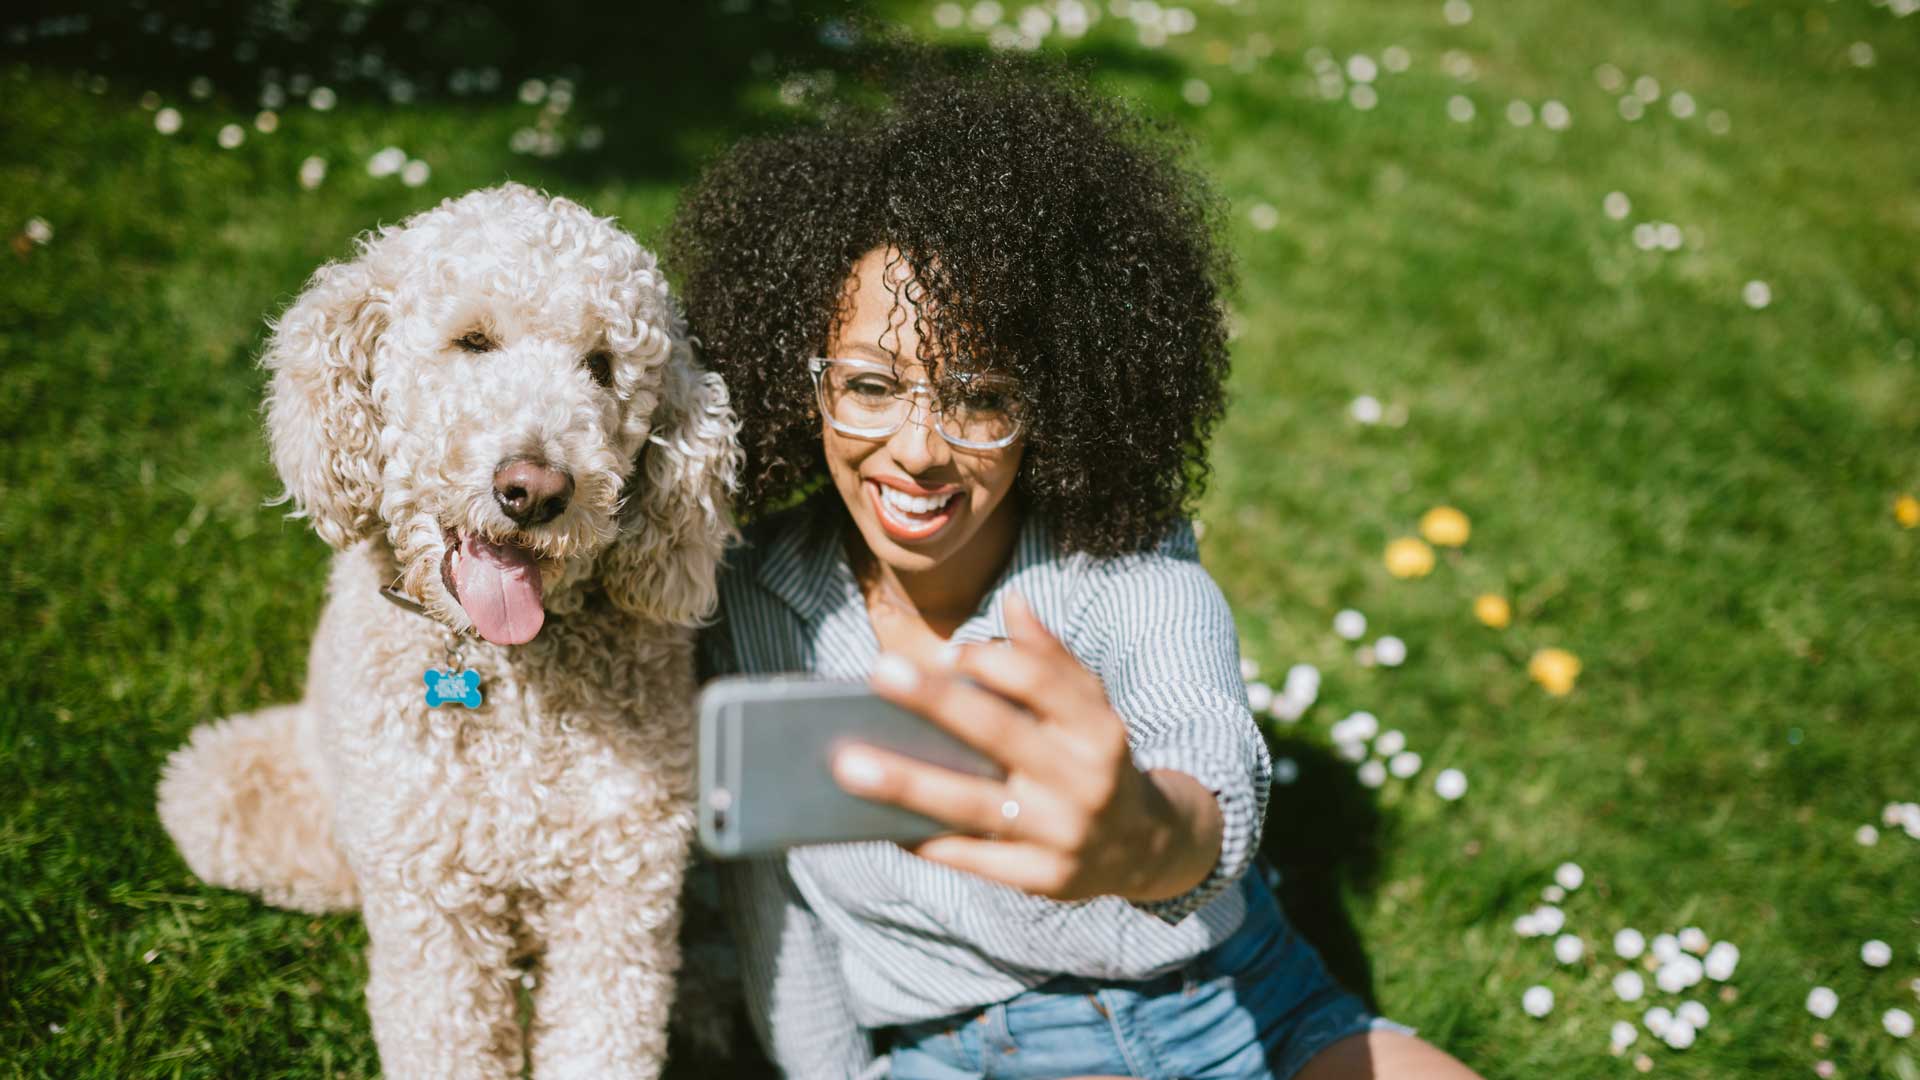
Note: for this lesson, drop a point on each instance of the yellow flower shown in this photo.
(1906, 511)
(1409, 557)
(1555, 670)
(1444, 526)
(1493, 610)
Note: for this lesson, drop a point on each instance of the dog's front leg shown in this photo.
(606, 981)
(440, 990)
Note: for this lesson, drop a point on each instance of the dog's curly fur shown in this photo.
(554, 821)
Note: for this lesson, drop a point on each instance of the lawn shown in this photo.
(1636, 286)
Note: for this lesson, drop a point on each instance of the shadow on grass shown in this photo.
(1323, 834)
(651, 90)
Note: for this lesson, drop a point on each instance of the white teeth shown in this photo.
(896, 499)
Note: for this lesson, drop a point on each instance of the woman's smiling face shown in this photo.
(916, 499)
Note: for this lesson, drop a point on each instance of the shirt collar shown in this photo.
(806, 566)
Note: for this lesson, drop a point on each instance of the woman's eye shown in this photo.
(475, 341)
(872, 388)
(600, 366)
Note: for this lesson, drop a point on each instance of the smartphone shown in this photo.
(765, 763)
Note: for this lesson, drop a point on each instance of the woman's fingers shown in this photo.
(989, 724)
(1036, 672)
(1031, 868)
(970, 804)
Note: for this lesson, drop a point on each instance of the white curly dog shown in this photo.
(493, 411)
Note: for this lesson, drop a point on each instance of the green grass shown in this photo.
(1693, 496)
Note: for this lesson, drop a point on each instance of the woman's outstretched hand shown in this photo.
(1073, 818)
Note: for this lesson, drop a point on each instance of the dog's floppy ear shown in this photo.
(320, 415)
(676, 521)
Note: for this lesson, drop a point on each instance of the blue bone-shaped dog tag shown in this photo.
(451, 688)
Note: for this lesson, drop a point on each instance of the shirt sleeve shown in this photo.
(799, 1004)
(1169, 657)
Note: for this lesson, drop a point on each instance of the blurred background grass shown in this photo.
(1693, 494)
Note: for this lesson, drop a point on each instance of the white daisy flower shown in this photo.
(1288, 709)
(167, 120)
(1629, 943)
(386, 162)
(1866, 836)
(313, 171)
(1459, 108)
(415, 173)
(1569, 876)
(1538, 1001)
(1721, 960)
(1616, 205)
(1568, 948)
(1553, 894)
(1624, 1034)
(1876, 953)
(1390, 742)
(1451, 784)
(1693, 1013)
(1679, 1034)
(1350, 624)
(1550, 919)
(1373, 773)
(1259, 696)
(1694, 940)
(1525, 926)
(1359, 726)
(1657, 1020)
(1757, 294)
(1629, 986)
(1351, 751)
(1898, 1022)
(1390, 651)
(38, 230)
(1821, 1002)
(1367, 409)
(1665, 948)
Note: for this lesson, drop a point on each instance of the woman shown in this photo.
(982, 329)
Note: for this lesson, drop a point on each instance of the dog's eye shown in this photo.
(600, 366)
(474, 341)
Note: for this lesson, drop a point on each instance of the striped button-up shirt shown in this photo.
(839, 938)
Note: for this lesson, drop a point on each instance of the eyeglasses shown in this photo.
(868, 401)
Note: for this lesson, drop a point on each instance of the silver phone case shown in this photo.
(765, 753)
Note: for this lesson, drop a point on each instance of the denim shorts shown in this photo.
(1258, 1005)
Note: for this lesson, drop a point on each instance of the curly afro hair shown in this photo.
(1052, 233)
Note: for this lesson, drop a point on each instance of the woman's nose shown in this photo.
(916, 446)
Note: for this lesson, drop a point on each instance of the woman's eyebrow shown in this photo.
(871, 352)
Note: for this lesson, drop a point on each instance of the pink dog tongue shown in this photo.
(499, 587)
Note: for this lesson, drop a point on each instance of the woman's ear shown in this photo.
(676, 520)
(320, 416)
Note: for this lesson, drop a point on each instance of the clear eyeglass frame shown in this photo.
(817, 367)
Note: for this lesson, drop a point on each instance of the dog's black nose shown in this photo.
(531, 494)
